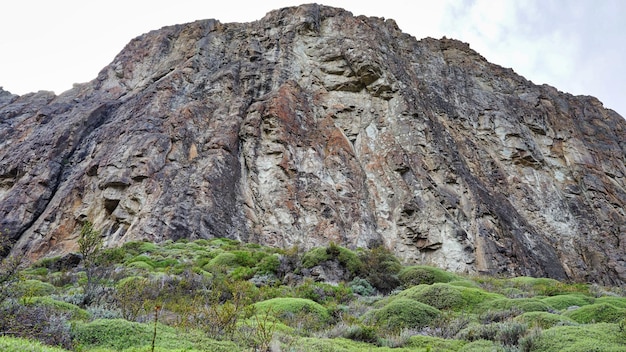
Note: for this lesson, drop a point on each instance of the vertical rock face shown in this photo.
(310, 126)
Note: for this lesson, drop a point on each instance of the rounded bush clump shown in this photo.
(522, 304)
(619, 302)
(422, 274)
(561, 302)
(314, 257)
(288, 308)
(597, 313)
(225, 259)
(440, 296)
(32, 288)
(404, 313)
(590, 337)
(544, 320)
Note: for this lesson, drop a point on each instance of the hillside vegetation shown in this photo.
(223, 295)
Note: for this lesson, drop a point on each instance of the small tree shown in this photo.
(90, 245)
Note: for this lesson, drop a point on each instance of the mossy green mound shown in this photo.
(123, 335)
(31, 288)
(544, 320)
(422, 274)
(403, 313)
(597, 313)
(619, 302)
(601, 337)
(289, 308)
(452, 296)
(521, 304)
(482, 346)
(440, 296)
(11, 344)
(430, 343)
(561, 302)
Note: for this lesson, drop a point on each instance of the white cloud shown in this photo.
(52, 44)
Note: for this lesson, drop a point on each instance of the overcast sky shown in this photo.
(578, 46)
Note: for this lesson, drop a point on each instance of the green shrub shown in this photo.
(546, 286)
(619, 302)
(224, 243)
(74, 311)
(561, 302)
(13, 344)
(422, 274)
(346, 257)
(142, 258)
(242, 273)
(506, 333)
(269, 264)
(141, 265)
(245, 258)
(148, 247)
(361, 287)
(225, 259)
(596, 313)
(314, 257)
(31, 288)
(36, 271)
(112, 256)
(434, 343)
(591, 337)
(482, 346)
(380, 268)
(522, 304)
(122, 335)
(403, 313)
(470, 298)
(323, 293)
(287, 308)
(440, 296)
(360, 332)
(544, 320)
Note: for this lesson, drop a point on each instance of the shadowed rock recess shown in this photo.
(311, 126)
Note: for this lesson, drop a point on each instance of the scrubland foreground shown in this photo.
(223, 295)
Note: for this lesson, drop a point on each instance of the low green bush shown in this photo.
(619, 302)
(544, 320)
(268, 265)
(13, 344)
(404, 313)
(422, 274)
(225, 259)
(459, 297)
(601, 337)
(434, 343)
(122, 335)
(31, 288)
(287, 308)
(314, 257)
(439, 295)
(361, 287)
(482, 346)
(596, 313)
(74, 311)
(521, 304)
(560, 302)
(505, 333)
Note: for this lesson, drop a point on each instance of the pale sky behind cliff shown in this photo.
(578, 46)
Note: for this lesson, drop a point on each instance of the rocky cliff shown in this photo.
(310, 126)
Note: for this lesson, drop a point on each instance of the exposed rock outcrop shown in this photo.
(310, 126)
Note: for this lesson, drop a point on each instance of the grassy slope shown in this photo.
(221, 295)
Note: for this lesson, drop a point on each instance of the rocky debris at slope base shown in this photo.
(312, 125)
